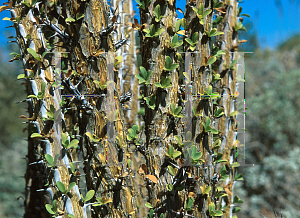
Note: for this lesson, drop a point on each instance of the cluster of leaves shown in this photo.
(143, 4)
(41, 93)
(144, 76)
(67, 144)
(78, 17)
(169, 66)
(153, 32)
(212, 31)
(176, 111)
(201, 14)
(133, 133)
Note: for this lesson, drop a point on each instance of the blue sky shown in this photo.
(273, 24)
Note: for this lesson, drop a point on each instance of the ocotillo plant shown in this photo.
(111, 136)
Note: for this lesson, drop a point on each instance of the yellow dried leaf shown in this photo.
(102, 158)
(152, 178)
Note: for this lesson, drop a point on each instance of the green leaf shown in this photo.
(218, 213)
(141, 4)
(237, 200)
(74, 143)
(183, 23)
(49, 159)
(197, 155)
(218, 112)
(143, 73)
(168, 63)
(72, 167)
(94, 139)
(217, 33)
(27, 3)
(206, 125)
(171, 170)
(61, 187)
(49, 209)
(141, 111)
(157, 84)
(157, 11)
(147, 204)
(195, 37)
(119, 60)
(211, 207)
(189, 41)
(214, 131)
(71, 186)
(206, 190)
(236, 164)
(33, 53)
(129, 163)
(177, 25)
(158, 32)
(166, 82)
(178, 139)
(69, 19)
(190, 202)
(148, 76)
(236, 209)
(176, 154)
(169, 187)
(89, 195)
(71, 215)
(177, 110)
(234, 113)
(211, 60)
(173, 67)
(80, 16)
(200, 10)
(151, 213)
(36, 135)
(172, 107)
(207, 12)
(217, 144)
(21, 76)
(217, 20)
(170, 151)
(239, 177)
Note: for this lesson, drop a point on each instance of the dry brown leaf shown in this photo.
(222, 10)
(155, 202)
(60, 212)
(228, 191)
(141, 171)
(144, 167)
(180, 161)
(124, 174)
(191, 194)
(136, 23)
(243, 40)
(152, 178)
(178, 9)
(128, 199)
(2, 8)
(114, 19)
